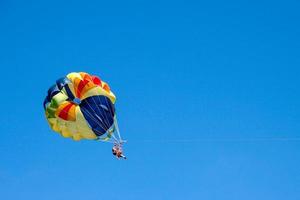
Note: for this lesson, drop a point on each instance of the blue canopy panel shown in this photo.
(56, 88)
(99, 112)
(53, 90)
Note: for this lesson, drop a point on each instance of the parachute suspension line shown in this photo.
(97, 107)
(107, 120)
(111, 104)
(92, 117)
(104, 122)
(117, 139)
(104, 118)
(109, 136)
(108, 141)
(118, 130)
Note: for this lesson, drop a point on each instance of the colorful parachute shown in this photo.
(81, 106)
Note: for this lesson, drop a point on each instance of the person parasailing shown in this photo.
(117, 151)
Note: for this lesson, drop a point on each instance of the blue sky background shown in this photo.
(221, 72)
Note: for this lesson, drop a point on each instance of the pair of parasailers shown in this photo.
(117, 151)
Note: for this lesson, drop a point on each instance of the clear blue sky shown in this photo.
(223, 72)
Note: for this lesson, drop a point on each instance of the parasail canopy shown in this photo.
(82, 106)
